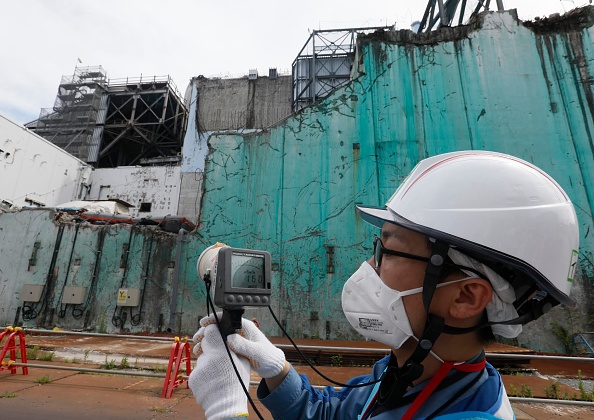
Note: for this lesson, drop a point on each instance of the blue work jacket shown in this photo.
(479, 395)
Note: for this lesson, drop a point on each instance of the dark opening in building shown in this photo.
(144, 208)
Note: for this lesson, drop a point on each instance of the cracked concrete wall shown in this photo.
(158, 186)
(233, 104)
(101, 259)
(220, 105)
(495, 85)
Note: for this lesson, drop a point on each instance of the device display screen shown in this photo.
(247, 271)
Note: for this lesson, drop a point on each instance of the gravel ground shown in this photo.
(574, 383)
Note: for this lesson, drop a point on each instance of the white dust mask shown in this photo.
(375, 310)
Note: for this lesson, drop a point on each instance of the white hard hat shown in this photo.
(496, 208)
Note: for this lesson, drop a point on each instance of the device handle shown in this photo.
(230, 321)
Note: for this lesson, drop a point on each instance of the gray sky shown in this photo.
(43, 39)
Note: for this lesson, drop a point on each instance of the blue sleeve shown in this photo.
(295, 398)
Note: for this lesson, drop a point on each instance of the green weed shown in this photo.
(554, 392)
(124, 363)
(336, 360)
(159, 368)
(584, 395)
(524, 392)
(564, 336)
(160, 409)
(32, 353)
(47, 356)
(45, 379)
(109, 365)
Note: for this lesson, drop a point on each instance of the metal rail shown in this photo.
(90, 370)
(514, 356)
(89, 334)
(255, 383)
(334, 348)
(550, 401)
(540, 357)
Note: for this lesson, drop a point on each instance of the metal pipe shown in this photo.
(462, 10)
(550, 401)
(133, 337)
(331, 348)
(540, 357)
(500, 7)
(317, 348)
(255, 383)
(175, 281)
(90, 370)
(488, 355)
(313, 66)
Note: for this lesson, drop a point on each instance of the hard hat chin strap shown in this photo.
(533, 309)
(530, 311)
(397, 380)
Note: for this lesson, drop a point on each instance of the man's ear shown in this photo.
(472, 296)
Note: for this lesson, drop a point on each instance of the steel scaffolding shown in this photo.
(132, 121)
(71, 122)
(323, 64)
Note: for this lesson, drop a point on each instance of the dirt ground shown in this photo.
(111, 396)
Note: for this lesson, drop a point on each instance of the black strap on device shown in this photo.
(230, 321)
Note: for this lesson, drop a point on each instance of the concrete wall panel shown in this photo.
(291, 189)
(497, 85)
(158, 186)
(33, 170)
(94, 257)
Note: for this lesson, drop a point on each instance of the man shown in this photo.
(472, 243)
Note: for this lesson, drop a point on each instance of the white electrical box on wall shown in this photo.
(74, 295)
(128, 297)
(32, 292)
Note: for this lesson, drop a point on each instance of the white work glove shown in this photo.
(213, 381)
(266, 359)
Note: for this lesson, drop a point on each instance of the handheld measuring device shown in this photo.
(240, 279)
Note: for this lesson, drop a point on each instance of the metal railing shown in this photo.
(256, 383)
(287, 346)
(314, 348)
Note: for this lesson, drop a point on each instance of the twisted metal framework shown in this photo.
(439, 13)
(323, 64)
(122, 122)
(144, 123)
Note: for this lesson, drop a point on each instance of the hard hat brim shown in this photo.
(377, 216)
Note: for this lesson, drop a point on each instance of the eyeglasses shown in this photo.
(379, 251)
